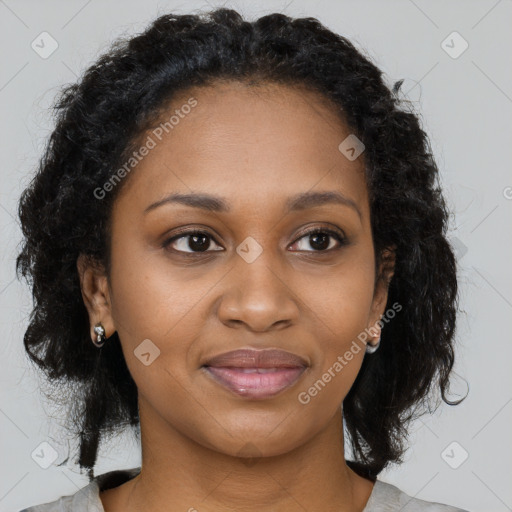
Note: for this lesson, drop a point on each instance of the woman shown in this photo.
(237, 243)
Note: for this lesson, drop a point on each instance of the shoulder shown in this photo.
(87, 499)
(387, 498)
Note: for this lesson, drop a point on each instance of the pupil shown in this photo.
(201, 246)
(324, 244)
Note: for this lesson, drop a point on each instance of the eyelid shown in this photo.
(332, 231)
(190, 232)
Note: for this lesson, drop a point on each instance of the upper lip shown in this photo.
(263, 358)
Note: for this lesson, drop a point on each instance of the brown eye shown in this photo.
(321, 240)
(191, 242)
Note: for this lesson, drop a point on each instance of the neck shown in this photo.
(180, 474)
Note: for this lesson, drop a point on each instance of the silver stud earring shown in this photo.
(100, 335)
(370, 349)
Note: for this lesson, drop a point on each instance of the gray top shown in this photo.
(384, 497)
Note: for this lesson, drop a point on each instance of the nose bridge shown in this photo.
(257, 268)
(256, 294)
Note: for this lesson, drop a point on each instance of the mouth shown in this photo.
(255, 383)
(256, 374)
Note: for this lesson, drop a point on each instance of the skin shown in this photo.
(197, 436)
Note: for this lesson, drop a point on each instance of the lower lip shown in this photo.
(255, 385)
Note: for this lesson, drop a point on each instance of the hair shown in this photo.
(97, 120)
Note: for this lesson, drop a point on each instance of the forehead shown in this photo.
(254, 142)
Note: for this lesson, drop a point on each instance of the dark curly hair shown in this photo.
(99, 118)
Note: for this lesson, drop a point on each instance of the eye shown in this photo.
(198, 241)
(194, 241)
(320, 239)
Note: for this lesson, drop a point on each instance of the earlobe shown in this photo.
(95, 294)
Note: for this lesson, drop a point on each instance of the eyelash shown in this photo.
(318, 230)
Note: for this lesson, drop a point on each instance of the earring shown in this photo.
(100, 332)
(370, 349)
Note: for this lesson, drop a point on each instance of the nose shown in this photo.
(258, 296)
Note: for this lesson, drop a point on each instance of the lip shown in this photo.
(252, 358)
(256, 374)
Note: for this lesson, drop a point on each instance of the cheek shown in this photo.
(151, 298)
(164, 305)
(343, 304)
(155, 315)
(342, 308)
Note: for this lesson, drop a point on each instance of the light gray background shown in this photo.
(466, 106)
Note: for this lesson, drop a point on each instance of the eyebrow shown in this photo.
(298, 202)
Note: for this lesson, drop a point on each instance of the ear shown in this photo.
(96, 294)
(385, 272)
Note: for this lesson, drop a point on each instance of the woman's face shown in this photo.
(253, 278)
